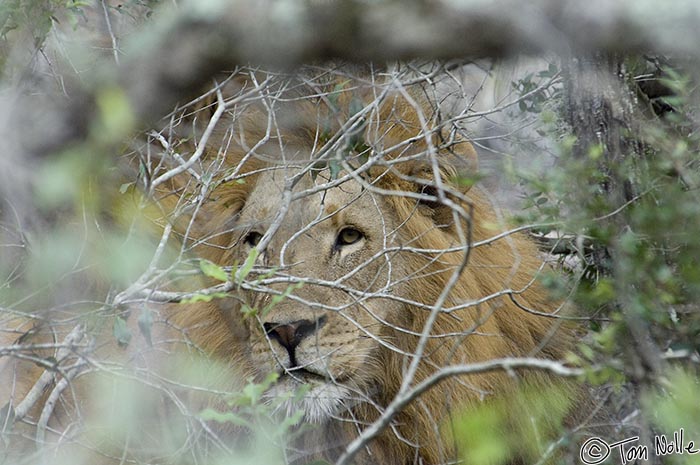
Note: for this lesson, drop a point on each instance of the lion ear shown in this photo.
(466, 161)
(458, 165)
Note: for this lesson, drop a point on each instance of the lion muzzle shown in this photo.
(290, 335)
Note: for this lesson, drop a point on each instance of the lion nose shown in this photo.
(290, 335)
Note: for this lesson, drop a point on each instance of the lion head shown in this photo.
(367, 263)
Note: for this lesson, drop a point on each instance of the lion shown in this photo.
(365, 261)
(382, 249)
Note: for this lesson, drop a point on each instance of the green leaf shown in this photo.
(292, 420)
(248, 311)
(335, 93)
(145, 323)
(121, 331)
(465, 181)
(355, 106)
(244, 270)
(586, 351)
(204, 298)
(317, 168)
(301, 392)
(335, 168)
(213, 270)
(676, 406)
(277, 298)
(223, 417)
(252, 392)
(116, 114)
(61, 178)
(262, 276)
(125, 187)
(518, 424)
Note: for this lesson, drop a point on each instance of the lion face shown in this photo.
(358, 267)
(330, 256)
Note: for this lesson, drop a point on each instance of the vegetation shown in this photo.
(97, 233)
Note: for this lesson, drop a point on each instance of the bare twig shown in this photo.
(113, 38)
(407, 396)
(47, 377)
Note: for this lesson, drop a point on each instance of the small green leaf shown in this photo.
(586, 351)
(301, 392)
(465, 181)
(277, 298)
(248, 311)
(252, 392)
(355, 106)
(262, 276)
(145, 323)
(213, 270)
(204, 298)
(317, 167)
(357, 143)
(244, 270)
(121, 331)
(335, 93)
(335, 168)
(125, 187)
(116, 114)
(223, 417)
(291, 420)
(596, 151)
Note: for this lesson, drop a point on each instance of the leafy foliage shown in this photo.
(527, 423)
(624, 206)
(627, 210)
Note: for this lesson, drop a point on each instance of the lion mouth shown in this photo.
(302, 376)
(319, 398)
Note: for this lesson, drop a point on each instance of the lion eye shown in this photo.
(252, 238)
(349, 236)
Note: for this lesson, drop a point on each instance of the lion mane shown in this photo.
(363, 245)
